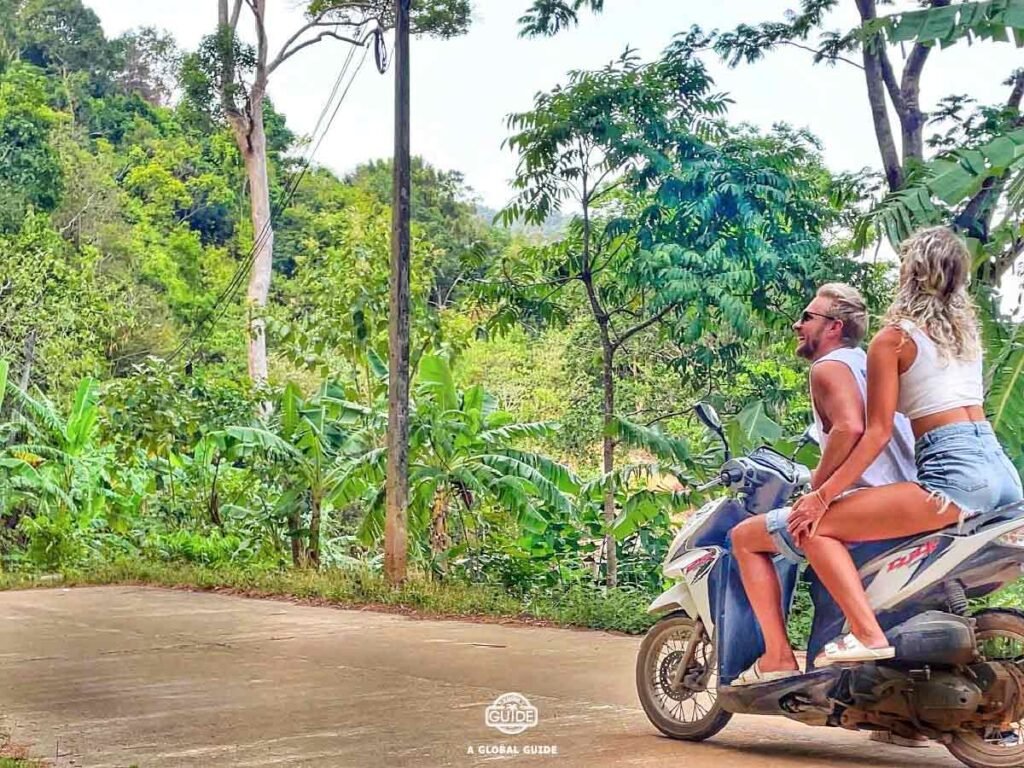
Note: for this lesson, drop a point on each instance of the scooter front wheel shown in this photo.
(680, 706)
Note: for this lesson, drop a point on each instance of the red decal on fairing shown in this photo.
(699, 562)
(920, 553)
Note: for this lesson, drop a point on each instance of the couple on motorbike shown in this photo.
(906, 448)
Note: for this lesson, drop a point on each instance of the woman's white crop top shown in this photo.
(932, 384)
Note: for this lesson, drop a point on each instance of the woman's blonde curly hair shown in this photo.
(935, 270)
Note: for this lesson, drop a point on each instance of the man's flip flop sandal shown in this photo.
(849, 650)
(754, 676)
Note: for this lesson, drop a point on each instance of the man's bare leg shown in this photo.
(753, 549)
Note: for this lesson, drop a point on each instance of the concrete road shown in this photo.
(149, 677)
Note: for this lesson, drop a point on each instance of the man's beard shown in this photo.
(807, 349)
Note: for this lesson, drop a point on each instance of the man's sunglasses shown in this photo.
(807, 315)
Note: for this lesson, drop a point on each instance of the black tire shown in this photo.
(660, 653)
(1000, 635)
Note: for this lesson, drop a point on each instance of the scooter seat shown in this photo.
(976, 522)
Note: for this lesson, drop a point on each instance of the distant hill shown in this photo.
(553, 227)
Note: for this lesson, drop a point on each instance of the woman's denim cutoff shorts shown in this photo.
(962, 463)
(965, 464)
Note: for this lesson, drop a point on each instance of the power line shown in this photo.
(226, 297)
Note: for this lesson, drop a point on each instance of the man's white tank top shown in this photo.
(895, 464)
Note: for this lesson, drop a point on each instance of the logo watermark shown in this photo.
(511, 714)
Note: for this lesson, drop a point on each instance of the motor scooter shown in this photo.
(958, 674)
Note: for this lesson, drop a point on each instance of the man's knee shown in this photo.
(748, 535)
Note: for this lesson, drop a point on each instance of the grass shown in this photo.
(608, 609)
(15, 755)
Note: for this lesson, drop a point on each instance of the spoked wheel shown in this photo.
(681, 706)
(1000, 638)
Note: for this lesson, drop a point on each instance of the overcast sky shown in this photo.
(463, 89)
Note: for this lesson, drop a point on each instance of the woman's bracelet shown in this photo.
(821, 497)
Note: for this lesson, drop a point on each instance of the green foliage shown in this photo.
(1004, 380)
(436, 18)
(548, 17)
(464, 460)
(989, 20)
(30, 174)
(603, 125)
(946, 188)
(60, 36)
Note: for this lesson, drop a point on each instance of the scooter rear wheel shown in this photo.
(689, 712)
(1000, 634)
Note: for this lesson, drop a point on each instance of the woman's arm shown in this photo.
(882, 397)
(883, 394)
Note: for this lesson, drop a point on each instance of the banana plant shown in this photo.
(58, 483)
(465, 455)
(303, 444)
(1004, 382)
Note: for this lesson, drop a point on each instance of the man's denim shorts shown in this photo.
(776, 520)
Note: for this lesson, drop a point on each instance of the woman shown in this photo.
(925, 363)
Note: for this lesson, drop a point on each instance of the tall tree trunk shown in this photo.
(874, 77)
(440, 541)
(315, 507)
(253, 145)
(608, 453)
(880, 118)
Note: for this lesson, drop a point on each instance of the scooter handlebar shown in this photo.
(709, 485)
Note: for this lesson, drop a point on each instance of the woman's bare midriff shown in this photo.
(932, 421)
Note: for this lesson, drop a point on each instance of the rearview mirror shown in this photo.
(811, 435)
(708, 416)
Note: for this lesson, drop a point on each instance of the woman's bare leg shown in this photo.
(753, 549)
(868, 515)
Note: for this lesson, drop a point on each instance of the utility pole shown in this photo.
(395, 533)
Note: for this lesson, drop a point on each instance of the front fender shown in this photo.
(674, 599)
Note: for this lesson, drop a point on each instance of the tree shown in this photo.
(237, 75)
(940, 22)
(30, 173)
(305, 443)
(547, 17)
(683, 223)
(580, 142)
(60, 36)
(150, 64)
(890, 94)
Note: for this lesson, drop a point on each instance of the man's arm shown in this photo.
(883, 397)
(841, 407)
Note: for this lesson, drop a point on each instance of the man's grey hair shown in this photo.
(849, 307)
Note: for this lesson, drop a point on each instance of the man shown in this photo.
(829, 333)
